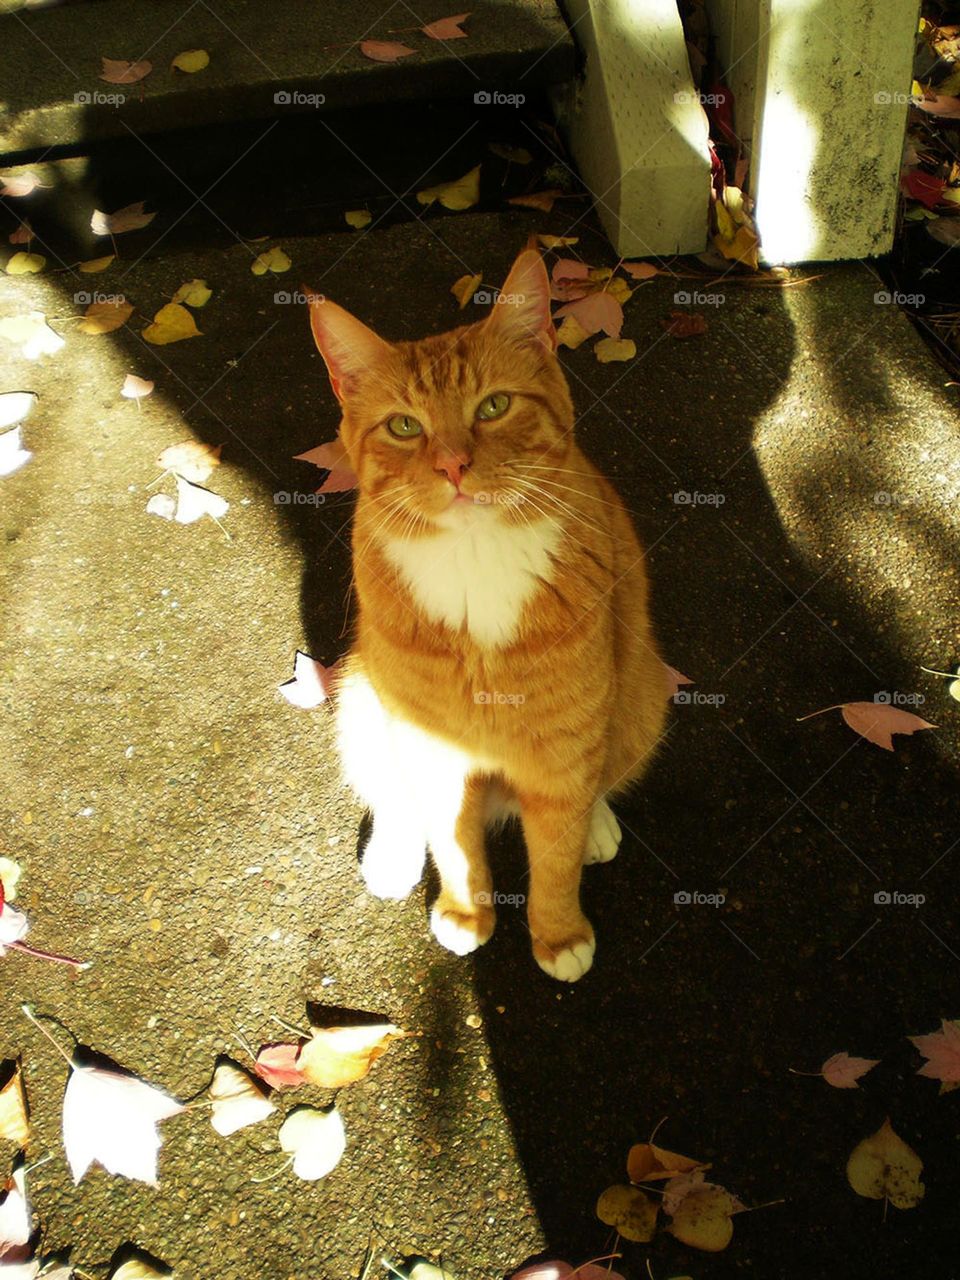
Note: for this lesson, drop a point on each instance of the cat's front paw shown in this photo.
(460, 930)
(392, 867)
(604, 835)
(566, 960)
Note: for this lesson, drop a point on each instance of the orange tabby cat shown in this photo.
(504, 661)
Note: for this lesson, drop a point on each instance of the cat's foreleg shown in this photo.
(463, 916)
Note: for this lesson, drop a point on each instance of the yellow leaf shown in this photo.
(193, 460)
(104, 317)
(542, 200)
(515, 155)
(191, 60)
(884, 1167)
(358, 218)
(571, 333)
(95, 264)
(464, 289)
(462, 194)
(647, 1162)
(733, 202)
(600, 274)
(194, 293)
(32, 333)
(274, 260)
(702, 1219)
(725, 224)
(14, 1126)
(630, 1210)
(172, 323)
(744, 247)
(610, 349)
(951, 195)
(335, 1056)
(22, 264)
(557, 242)
(619, 289)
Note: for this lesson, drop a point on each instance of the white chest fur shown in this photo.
(479, 571)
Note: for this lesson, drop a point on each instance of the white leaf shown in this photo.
(15, 406)
(135, 388)
(162, 505)
(28, 1270)
(308, 688)
(137, 1269)
(13, 926)
(12, 453)
(317, 1140)
(194, 502)
(10, 873)
(15, 1222)
(238, 1100)
(112, 1118)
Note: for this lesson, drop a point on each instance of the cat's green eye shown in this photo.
(494, 406)
(404, 427)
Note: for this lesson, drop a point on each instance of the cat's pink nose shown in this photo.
(452, 467)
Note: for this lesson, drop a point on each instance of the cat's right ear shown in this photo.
(350, 350)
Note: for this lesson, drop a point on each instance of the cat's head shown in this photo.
(452, 426)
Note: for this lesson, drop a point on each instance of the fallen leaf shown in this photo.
(194, 502)
(311, 684)
(703, 1221)
(137, 1268)
(12, 457)
(945, 230)
(105, 317)
(458, 195)
(936, 104)
(135, 388)
(23, 233)
(518, 155)
(674, 680)
(19, 184)
(277, 1064)
(640, 270)
(162, 505)
(32, 334)
(744, 247)
(93, 265)
(563, 1270)
(558, 242)
(942, 1051)
(883, 1166)
(922, 186)
(608, 350)
(464, 289)
(647, 1162)
(571, 333)
(335, 1056)
(22, 264)
(384, 50)
(195, 293)
(595, 312)
(14, 407)
(14, 1126)
(10, 873)
(684, 324)
(238, 1100)
(630, 1211)
(843, 1072)
(316, 1139)
(172, 323)
(446, 28)
(16, 1222)
(274, 260)
(331, 456)
(358, 218)
(130, 218)
(117, 71)
(193, 460)
(542, 200)
(878, 721)
(110, 1117)
(191, 61)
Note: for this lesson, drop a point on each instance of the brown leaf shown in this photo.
(647, 1162)
(684, 324)
(104, 317)
(192, 459)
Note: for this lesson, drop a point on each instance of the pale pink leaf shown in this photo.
(595, 312)
(338, 482)
(277, 1065)
(938, 104)
(384, 50)
(20, 184)
(13, 926)
(162, 505)
(942, 1051)
(640, 270)
(878, 721)
(330, 455)
(16, 1225)
(311, 683)
(843, 1072)
(23, 233)
(130, 218)
(446, 28)
(570, 269)
(674, 680)
(553, 1270)
(111, 1118)
(117, 71)
(135, 388)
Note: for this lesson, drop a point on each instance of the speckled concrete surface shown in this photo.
(180, 825)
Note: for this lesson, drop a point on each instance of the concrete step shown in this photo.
(267, 61)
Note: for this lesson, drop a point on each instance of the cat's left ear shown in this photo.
(522, 311)
(349, 348)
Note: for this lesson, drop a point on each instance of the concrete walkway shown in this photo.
(181, 825)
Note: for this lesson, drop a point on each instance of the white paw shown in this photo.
(570, 964)
(392, 867)
(604, 836)
(458, 933)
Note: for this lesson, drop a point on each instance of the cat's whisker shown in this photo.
(591, 497)
(561, 503)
